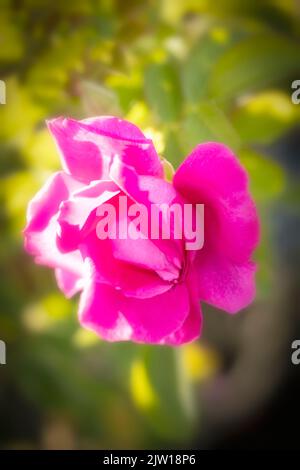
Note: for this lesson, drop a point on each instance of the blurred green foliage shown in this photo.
(185, 72)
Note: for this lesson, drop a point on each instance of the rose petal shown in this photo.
(223, 284)
(41, 228)
(139, 150)
(213, 176)
(74, 212)
(150, 191)
(132, 279)
(190, 330)
(88, 147)
(68, 282)
(192, 326)
(131, 265)
(116, 318)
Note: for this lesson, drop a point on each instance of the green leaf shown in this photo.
(173, 10)
(208, 123)
(267, 179)
(162, 90)
(291, 196)
(264, 258)
(252, 64)
(265, 116)
(16, 200)
(196, 69)
(173, 149)
(98, 100)
(40, 143)
(127, 90)
(11, 40)
(161, 392)
(20, 114)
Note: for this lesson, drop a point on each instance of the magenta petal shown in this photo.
(154, 318)
(133, 148)
(191, 328)
(223, 284)
(87, 147)
(145, 254)
(80, 155)
(213, 176)
(116, 318)
(145, 189)
(114, 127)
(74, 213)
(130, 279)
(111, 256)
(46, 202)
(69, 282)
(211, 166)
(41, 228)
(77, 209)
(99, 312)
(148, 190)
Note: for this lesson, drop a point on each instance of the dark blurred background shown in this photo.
(185, 71)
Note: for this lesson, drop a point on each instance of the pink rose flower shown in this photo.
(142, 290)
